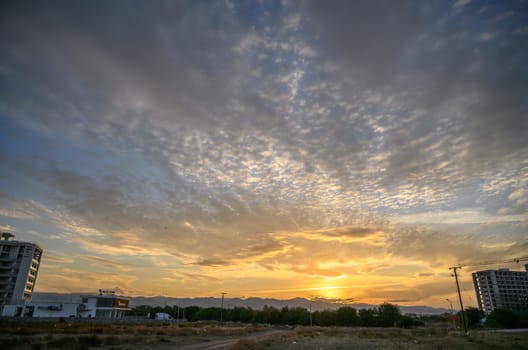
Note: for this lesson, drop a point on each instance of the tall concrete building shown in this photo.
(502, 289)
(19, 265)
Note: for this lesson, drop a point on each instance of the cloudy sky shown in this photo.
(340, 149)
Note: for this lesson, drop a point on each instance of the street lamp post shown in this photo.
(222, 308)
(452, 312)
(311, 320)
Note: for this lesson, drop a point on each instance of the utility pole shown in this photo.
(311, 320)
(454, 268)
(222, 308)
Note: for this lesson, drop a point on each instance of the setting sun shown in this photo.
(330, 292)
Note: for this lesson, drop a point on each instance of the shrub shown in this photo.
(111, 340)
(472, 315)
(409, 322)
(502, 318)
(13, 343)
(406, 322)
(82, 347)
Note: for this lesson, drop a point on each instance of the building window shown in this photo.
(105, 302)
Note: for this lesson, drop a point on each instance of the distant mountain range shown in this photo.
(254, 303)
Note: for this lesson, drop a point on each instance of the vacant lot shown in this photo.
(195, 336)
(388, 338)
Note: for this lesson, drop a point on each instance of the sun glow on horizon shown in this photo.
(331, 292)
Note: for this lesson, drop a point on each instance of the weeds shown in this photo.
(137, 339)
(243, 344)
(13, 343)
(92, 335)
(90, 340)
(62, 342)
(82, 347)
(111, 340)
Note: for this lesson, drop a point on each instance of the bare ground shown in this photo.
(372, 338)
(199, 336)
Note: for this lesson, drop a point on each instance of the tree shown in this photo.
(388, 315)
(190, 311)
(502, 318)
(140, 310)
(473, 316)
(367, 317)
(294, 316)
(406, 322)
(208, 314)
(239, 314)
(347, 316)
(325, 318)
(268, 314)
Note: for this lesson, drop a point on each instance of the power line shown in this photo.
(485, 263)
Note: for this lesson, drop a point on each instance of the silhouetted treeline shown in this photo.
(501, 318)
(386, 315)
(498, 318)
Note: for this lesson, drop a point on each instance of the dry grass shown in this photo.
(392, 338)
(106, 336)
(102, 335)
(244, 344)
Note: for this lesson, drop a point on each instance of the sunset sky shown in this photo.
(335, 149)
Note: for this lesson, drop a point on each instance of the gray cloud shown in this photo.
(430, 62)
(437, 247)
(349, 232)
(151, 85)
(196, 277)
(425, 274)
(124, 266)
(366, 37)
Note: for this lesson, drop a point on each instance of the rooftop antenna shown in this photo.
(5, 236)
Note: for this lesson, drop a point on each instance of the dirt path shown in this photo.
(224, 343)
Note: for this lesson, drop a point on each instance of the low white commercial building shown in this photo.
(105, 305)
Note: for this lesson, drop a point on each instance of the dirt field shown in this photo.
(376, 338)
(197, 336)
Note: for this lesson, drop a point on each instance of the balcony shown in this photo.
(7, 258)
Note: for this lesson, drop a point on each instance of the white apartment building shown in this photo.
(502, 289)
(19, 265)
